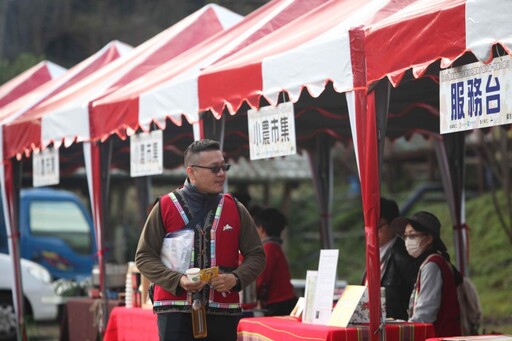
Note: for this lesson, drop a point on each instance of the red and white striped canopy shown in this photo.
(171, 89)
(28, 81)
(15, 109)
(19, 135)
(64, 118)
(354, 44)
(427, 31)
(324, 45)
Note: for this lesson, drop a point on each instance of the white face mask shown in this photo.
(413, 246)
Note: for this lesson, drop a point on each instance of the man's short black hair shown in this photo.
(199, 146)
(272, 221)
(388, 209)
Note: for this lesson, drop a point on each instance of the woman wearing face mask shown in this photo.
(434, 298)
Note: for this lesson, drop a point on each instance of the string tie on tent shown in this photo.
(103, 251)
(461, 227)
(15, 235)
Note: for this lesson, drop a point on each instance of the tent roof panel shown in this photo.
(28, 81)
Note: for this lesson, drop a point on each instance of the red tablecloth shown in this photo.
(498, 337)
(131, 324)
(290, 328)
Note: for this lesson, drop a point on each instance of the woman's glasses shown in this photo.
(412, 236)
(215, 169)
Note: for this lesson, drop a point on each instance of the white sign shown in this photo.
(272, 131)
(309, 296)
(146, 153)
(45, 167)
(476, 95)
(325, 283)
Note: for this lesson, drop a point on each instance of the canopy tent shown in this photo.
(21, 105)
(398, 36)
(17, 87)
(132, 107)
(171, 89)
(28, 81)
(10, 172)
(98, 156)
(329, 58)
(257, 25)
(464, 31)
(322, 26)
(62, 116)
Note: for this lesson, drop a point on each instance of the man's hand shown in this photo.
(223, 282)
(191, 286)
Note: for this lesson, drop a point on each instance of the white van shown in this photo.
(41, 302)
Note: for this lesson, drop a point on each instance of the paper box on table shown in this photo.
(353, 307)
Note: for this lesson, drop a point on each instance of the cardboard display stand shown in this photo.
(353, 307)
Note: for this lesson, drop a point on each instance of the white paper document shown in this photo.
(326, 281)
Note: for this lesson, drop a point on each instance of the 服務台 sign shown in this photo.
(476, 95)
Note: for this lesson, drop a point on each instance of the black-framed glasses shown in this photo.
(412, 236)
(215, 169)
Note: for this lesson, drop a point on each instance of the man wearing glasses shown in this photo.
(217, 229)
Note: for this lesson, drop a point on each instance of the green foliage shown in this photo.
(491, 260)
(9, 70)
(303, 235)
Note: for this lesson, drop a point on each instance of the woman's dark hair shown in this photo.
(271, 220)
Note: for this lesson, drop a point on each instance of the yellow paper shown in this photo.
(207, 274)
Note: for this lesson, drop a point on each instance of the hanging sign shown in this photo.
(45, 167)
(272, 131)
(146, 154)
(476, 95)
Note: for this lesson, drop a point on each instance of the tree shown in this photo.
(24, 61)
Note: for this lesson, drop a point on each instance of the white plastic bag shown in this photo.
(177, 249)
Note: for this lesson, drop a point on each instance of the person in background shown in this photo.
(218, 228)
(398, 270)
(434, 298)
(274, 288)
(255, 209)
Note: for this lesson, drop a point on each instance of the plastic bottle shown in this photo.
(199, 319)
(128, 295)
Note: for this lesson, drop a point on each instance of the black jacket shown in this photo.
(398, 277)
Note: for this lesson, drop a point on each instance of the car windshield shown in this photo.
(61, 219)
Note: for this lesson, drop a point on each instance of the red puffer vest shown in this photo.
(215, 245)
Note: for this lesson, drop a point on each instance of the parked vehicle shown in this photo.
(40, 300)
(56, 231)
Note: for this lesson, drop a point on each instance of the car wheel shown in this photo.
(7, 317)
